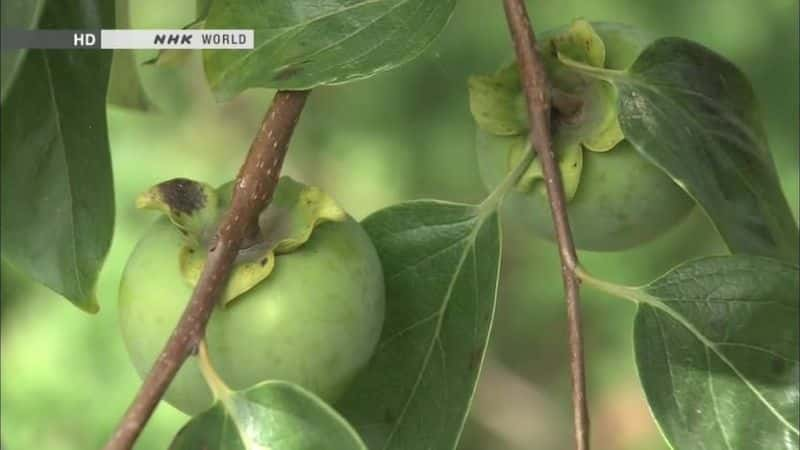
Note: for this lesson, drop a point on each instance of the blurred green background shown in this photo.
(402, 135)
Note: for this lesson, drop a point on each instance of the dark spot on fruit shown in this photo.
(182, 195)
(263, 262)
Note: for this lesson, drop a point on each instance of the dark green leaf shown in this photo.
(693, 113)
(717, 350)
(273, 415)
(125, 86)
(21, 15)
(441, 264)
(201, 9)
(306, 43)
(57, 192)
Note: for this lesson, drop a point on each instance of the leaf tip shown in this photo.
(87, 304)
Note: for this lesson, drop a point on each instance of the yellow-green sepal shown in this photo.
(598, 122)
(288, 223)
(570, 162)
(496, 102)
(581, 43)
(598, 125)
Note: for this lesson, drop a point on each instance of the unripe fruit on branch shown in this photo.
(305, 304)
(616, 199)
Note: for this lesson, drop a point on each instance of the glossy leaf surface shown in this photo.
(21, 15)
(306, 43)
(272, 415)
(57, 190)
(693, 114)
(441, 265)
(716, 346)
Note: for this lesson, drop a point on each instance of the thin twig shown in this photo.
(537, 94)
(255, 185)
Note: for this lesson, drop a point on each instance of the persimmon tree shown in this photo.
(264, 311)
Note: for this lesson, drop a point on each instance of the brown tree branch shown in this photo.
(537, 95)
(255, 185)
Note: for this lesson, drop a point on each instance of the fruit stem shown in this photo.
(537, 96)
(617, 290)
(568, 106)
(492, 202)
(218, 387)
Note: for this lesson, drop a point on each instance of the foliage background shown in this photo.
(66, 379)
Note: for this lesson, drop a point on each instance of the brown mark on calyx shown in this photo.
(183, 195)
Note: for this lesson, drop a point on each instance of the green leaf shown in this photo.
(306, 43)
(716, 347)
(693, 114)
(273, 415)
(201, 8)
(55, 174)
(441, 265)
(125, 87)
(21, 15)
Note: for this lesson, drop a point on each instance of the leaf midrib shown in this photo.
(238, 400)
(67, 172)
(772, 220)
(241, 60)
(480, 219)
(655, 302)
(772, 223)
(714, 404)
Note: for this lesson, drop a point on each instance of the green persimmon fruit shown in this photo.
(616, 199)
(314, 320)
(621, 201)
